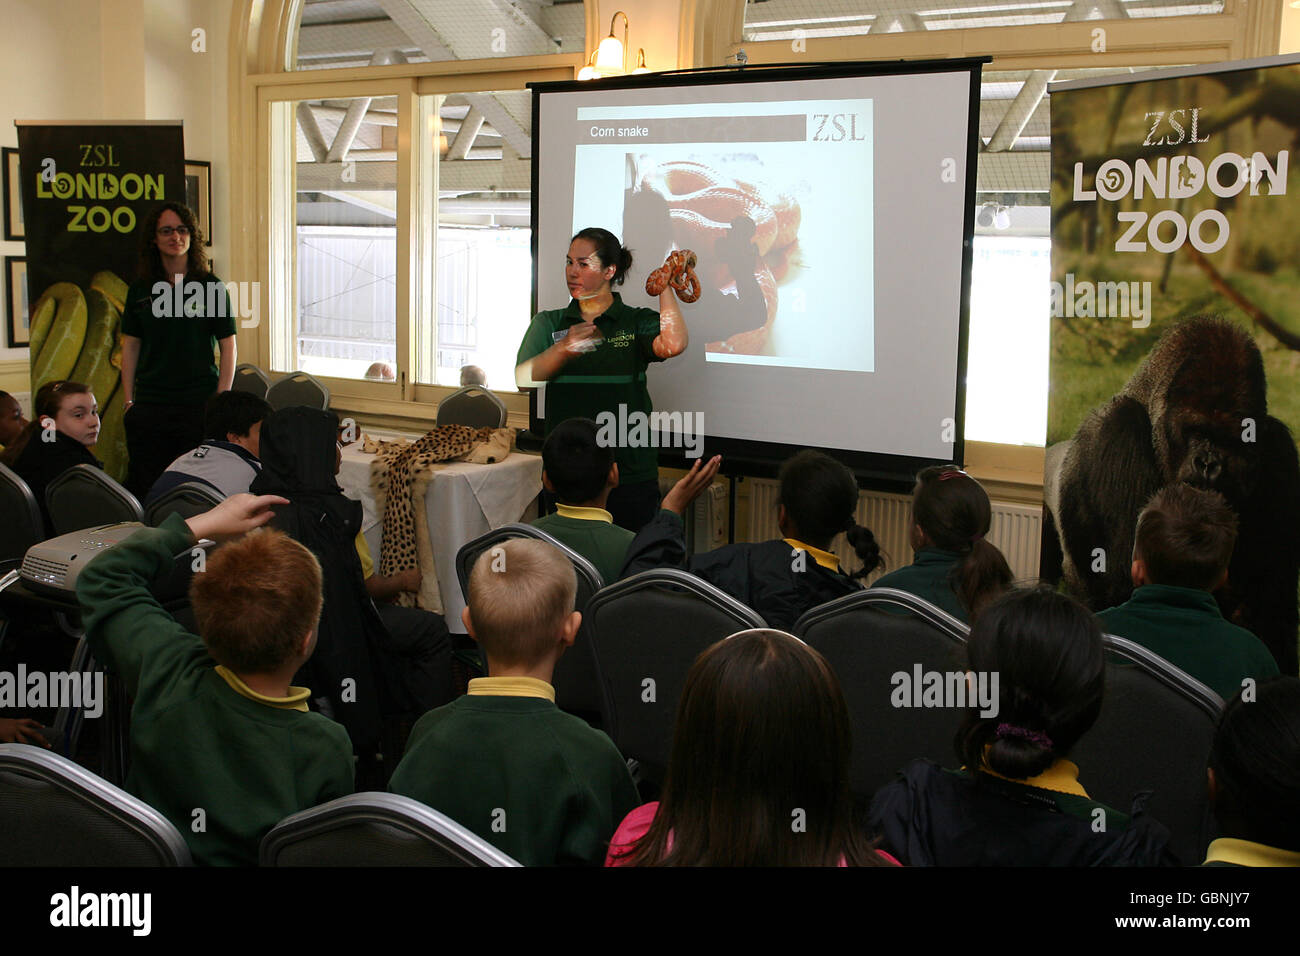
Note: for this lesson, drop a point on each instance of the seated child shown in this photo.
(1254, 778)
(581, 474)
(12, 422)
(1181, 551)
(65, 429)
(215, 725)
(1018, 800)
(227, 461)
(779, 579)
(762, 727)
(504, 761)
(365, 670)
(954, 567)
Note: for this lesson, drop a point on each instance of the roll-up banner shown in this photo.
(86, 190)
(1175, 297)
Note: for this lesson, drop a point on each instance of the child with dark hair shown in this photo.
(762, 732)
(216, 726)
(504, 761)
(228, 460)
(581, 473)
(1018, 800)
(779, 579)
(12, 422)
(1254, 778)
(955, 567)
(65, 428)
(1181, 550)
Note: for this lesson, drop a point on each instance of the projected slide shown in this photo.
(774, 198)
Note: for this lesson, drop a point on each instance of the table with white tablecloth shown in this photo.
(462, 501)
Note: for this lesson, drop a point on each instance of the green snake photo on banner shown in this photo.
(1175, 335)
(86, 188)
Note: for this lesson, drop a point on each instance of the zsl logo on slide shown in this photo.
(837, 133)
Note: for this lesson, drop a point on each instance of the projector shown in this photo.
(52, 566)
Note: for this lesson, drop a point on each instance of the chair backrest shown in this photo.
(376, 829)
(1154, 733)
(187, 499)
(250, 378)
(298, 388)
(651, 627)
(56, 813)
(575, 681)
(867, 646)
(85, 497)
(474, 406)
(22, 526)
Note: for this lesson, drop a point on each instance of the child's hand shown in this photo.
(236, 515)
(408, 580)
(22, 731)
(691, 485)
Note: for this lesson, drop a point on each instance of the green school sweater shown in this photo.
(196, 742)
(930, 577)
(602, 543)
(1184, 626)
(535, 782)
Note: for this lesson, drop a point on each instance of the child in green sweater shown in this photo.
(221, 744)
(504, 761)
(1181, 550)
(580, 473)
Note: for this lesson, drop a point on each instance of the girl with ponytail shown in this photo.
(955, 567)
(779, 579)
(1018, 800)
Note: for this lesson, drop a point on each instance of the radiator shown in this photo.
(1016, 529)
(706, 523)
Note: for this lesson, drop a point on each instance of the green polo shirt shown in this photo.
(1184, 626)
(178, 338)
(932, 576)
(601, 380)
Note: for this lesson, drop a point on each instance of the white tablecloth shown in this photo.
(462, 502)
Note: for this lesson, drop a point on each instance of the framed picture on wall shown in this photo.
(20, 333)
(14, 230)
(198, 194)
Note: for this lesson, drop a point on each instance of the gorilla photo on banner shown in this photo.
(1195, 411)
(1176, 327)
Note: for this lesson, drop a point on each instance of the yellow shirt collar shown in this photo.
(824, 558)
(511, 687)
(1246, 853)
(587, 514)
(1062, 777)
(297, 699)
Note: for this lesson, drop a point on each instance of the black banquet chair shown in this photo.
(651, 627)
(575, 682)
(298, 388)
(376, 829)
(55, 813)
(85, 497)
(474, 406)
(187, 499)
(1153, 735)
(251, 379)
(22, 526)
(866, 646)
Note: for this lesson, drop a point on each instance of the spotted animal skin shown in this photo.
(394, 475)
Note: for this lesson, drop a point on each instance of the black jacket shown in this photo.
(762, 576)
(43, 461)
(936, 817)
(298, 449)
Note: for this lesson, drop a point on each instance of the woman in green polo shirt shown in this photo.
(177, 312)
(593, 356)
